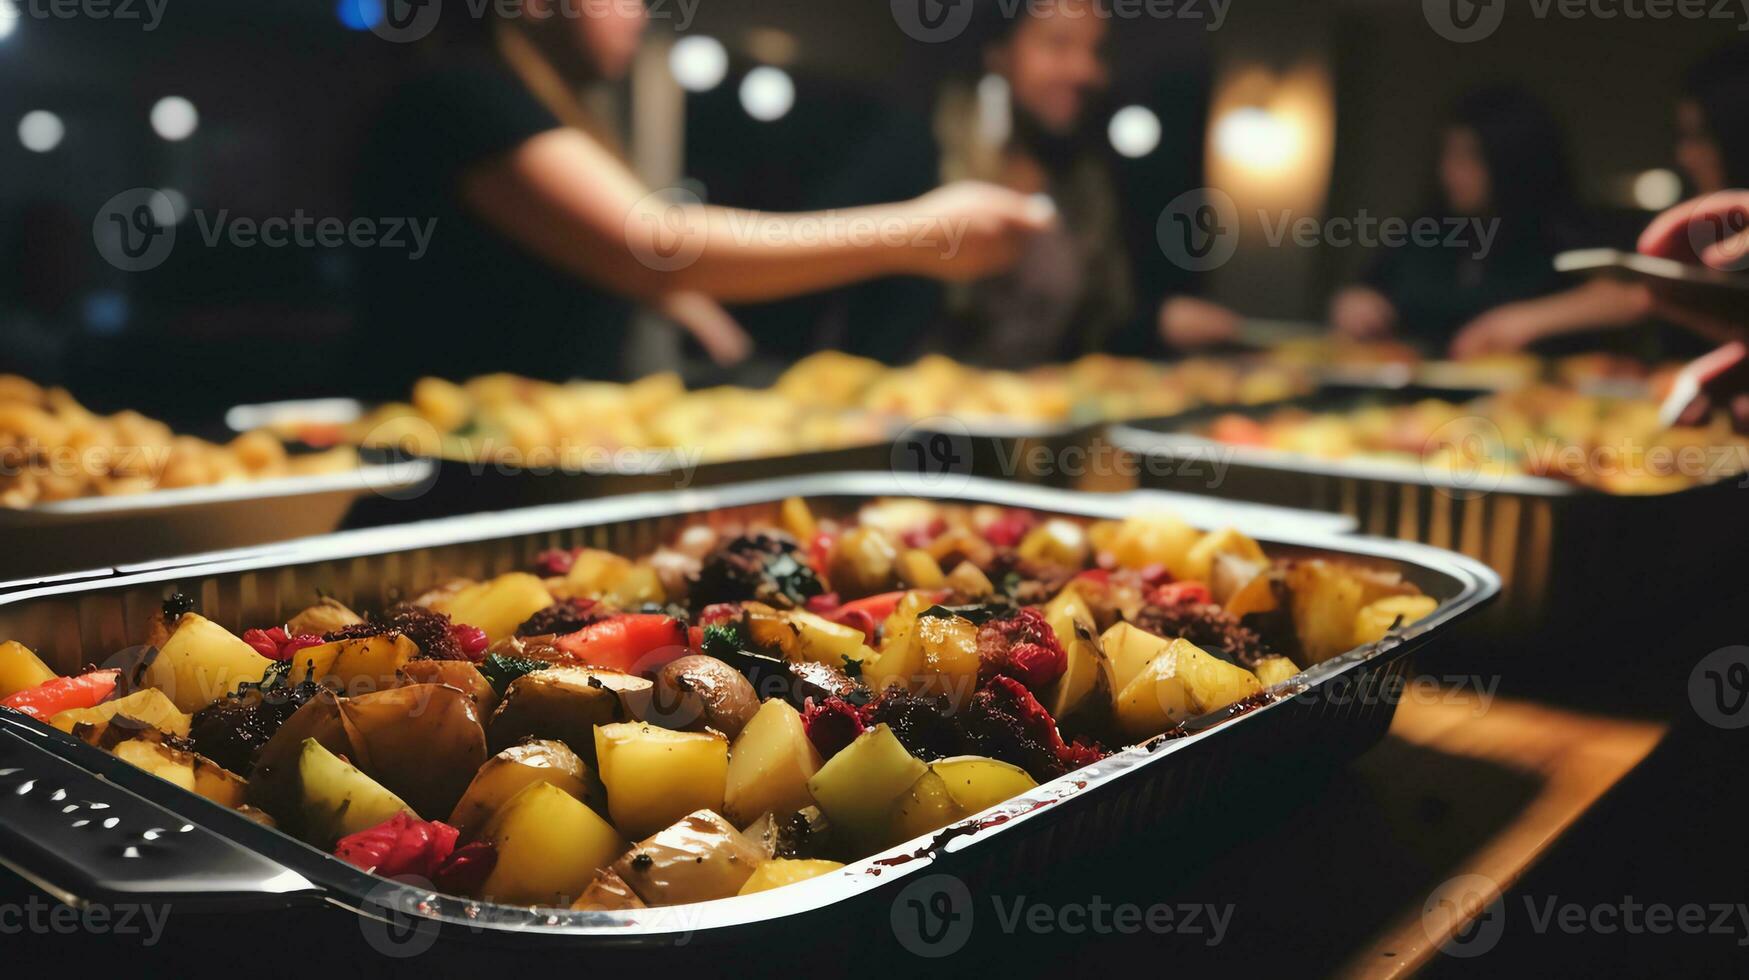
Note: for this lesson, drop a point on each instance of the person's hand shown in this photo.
(1713, 229)
(723, 340)
(1501, 330)
(1708, 383)
(1359, 313)
(969, 229)
(1188, 323)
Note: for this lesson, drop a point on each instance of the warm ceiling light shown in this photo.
(1255, 138)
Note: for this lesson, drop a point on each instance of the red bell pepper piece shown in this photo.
(1178, 593)
(878, 607)
(635, 643)
(50, 698)
(820, 553)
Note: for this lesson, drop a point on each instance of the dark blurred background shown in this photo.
(268, 102)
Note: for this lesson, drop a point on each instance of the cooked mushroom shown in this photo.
(698, 692)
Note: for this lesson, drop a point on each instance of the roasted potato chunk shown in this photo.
(566, 703)
(699, 858)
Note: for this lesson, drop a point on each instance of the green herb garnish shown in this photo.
(796, 581)
(500, 671)
(977, 614)
(721, 640)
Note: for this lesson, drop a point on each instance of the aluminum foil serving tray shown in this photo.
(88, 827)
(1574, 561)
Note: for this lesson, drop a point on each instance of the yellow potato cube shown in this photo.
(1271, 671)
(146, 708)
(1130, 648)
(655, 776)
(1376, 618)
(924, 808)
(202, 662)
(1181, 682)
(20, 669)
(770, 764)
(498, 606)
(549, 847)
(977, 783)
(786, 871)
(1200, 561)
(856, 788)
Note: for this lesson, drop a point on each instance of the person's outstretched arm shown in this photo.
(1511, 327)
(566, 199)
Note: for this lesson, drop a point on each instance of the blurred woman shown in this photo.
(544, 238)
(1712, 122)
(1029, 125)
(1501, 160)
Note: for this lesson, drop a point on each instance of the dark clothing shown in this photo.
(1438, 287)
(475, 302)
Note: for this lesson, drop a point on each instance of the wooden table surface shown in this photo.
(1332, 878)
(1567, 760)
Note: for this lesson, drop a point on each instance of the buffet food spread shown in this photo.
(1615, 445)
(53, 448)
(747, 706)
(826, 401)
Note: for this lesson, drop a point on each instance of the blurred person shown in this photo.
(1501, 159)
(1712, 122)
(1712, 229)
(1712, 150)
(544, 238)
(1029, 124)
